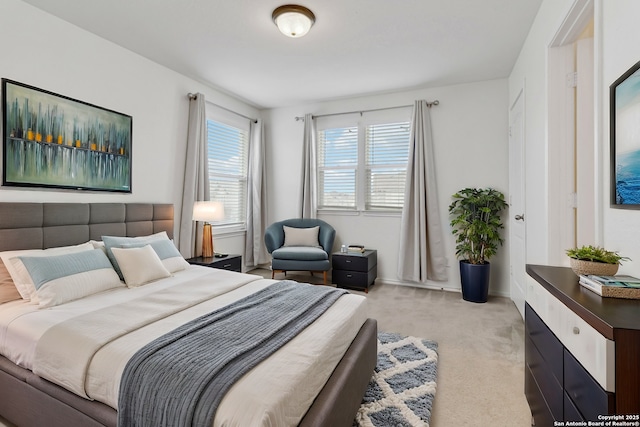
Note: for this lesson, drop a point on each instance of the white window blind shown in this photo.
(362, 161)
(227, 151)
(387, 152)
(337, 167)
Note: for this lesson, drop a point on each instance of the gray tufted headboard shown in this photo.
(46, 225)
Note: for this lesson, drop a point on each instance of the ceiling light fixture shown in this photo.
(293, 20)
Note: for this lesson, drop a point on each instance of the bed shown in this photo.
(336, 353)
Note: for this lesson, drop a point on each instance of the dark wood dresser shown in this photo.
(582, 351)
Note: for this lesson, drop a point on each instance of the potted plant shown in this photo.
(476, 223)
(590, 259)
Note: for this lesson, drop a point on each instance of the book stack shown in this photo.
(621, 286)
(355, 249)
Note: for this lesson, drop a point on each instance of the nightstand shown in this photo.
(229, 262)
(355, 270)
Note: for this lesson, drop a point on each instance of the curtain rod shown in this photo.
(194, 96)
(429, 104)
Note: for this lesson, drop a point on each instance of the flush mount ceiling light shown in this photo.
(293, 20)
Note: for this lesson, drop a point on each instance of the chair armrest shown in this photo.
(326, 237)
(273, 237)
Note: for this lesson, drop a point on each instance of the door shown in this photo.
(517, 229)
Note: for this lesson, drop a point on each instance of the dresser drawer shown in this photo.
(354, 279)
(549, 386)
(549, 347)
(594, 352)
(232, 264)
(355, 262)
(587, 395)
(538, 405)
(571, 413)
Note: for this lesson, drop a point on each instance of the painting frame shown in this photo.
(624, 132)
(57, 142)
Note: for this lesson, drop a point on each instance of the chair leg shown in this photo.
(324, 274)
(273, 273)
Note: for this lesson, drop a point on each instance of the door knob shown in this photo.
(519, 217)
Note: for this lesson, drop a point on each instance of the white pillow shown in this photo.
(140, 265)
(111, 242)
(63, 278)
(167, 252)
(301, 236)
(19, 274)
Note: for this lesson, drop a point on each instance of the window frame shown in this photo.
(226, 118)
(361, 121)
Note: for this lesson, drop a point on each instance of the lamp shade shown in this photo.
(208, 211)
(293, 20)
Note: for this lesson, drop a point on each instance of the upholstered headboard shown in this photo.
(46, 225)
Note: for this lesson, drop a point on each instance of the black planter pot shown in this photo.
(475, 281)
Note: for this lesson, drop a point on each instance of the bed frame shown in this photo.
(28, 400)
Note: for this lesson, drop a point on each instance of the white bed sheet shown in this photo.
(278, 391)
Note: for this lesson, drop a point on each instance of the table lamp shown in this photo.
(208, 212)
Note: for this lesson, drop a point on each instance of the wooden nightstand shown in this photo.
(229, 262)
(355, 270)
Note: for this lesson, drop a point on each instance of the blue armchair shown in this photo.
(299, 256)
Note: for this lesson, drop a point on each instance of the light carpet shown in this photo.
(403, 385)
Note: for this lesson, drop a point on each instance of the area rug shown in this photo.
(403, 385)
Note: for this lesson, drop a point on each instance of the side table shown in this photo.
(355, 270)
(229, 262)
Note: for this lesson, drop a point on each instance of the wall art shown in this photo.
(625, 139)
(50, 140)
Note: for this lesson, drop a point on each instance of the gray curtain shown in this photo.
(255, 252)
(308, 200)
(196, 177)
(422, 253)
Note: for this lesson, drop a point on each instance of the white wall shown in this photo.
(471, 150)
(620, 50)
(616, 49)
(43, 51)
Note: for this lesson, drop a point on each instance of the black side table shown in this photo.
(355, 270)
(229, 262)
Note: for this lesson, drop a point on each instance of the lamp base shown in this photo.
(207, 241)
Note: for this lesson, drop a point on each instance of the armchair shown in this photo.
(293, 246)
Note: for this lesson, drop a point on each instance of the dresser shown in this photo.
(582, 351)
(355, 270)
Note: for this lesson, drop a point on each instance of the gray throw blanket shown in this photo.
(180, 378)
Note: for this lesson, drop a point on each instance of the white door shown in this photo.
(517, 229)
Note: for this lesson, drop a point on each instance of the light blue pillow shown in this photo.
(167, 252)
(62, 278)
(119, 241)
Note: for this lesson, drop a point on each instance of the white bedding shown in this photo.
(279, 390)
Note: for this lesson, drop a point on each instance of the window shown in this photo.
(227, 146)
(362, 166)
(387, 153)
(337, 167)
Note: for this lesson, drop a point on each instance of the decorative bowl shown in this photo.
(583, 267)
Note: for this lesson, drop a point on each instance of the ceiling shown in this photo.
(356, 47)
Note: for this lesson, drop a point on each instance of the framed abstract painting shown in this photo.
(625, 139)
(50, 140)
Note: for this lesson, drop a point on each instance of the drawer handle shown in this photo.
(576, 330)
(226, 265)
(347, 260)
(349, 276)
